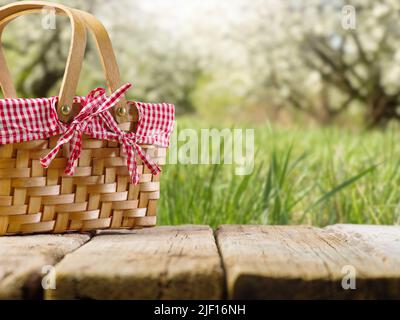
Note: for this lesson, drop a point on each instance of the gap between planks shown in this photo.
(24, 259)
(192, 262)
(170, 262)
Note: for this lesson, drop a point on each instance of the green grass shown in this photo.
(316, 176)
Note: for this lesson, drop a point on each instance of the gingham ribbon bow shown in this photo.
(97, 104)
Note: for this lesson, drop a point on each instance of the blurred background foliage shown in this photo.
(286, 61)
(287, 68)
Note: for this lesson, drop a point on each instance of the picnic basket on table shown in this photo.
(71, 163)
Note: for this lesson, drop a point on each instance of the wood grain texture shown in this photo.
(381, 241)
(179, 262)
(272, 262)
(22, 260)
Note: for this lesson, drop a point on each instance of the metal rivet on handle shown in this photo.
(121, 111)
(65, 109)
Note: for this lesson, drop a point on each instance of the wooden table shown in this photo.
(194, 262)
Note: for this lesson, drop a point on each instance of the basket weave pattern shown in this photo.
(98, 196)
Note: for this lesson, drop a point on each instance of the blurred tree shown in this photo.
(162, 68)
(161, 65)
(303, 55)
(264, 52)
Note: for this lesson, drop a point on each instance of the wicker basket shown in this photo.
(99, 195)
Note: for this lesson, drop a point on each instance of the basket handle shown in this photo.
(107, 57)
(108, 61)
(75, 57)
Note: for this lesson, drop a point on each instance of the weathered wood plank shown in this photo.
(270, 262)
(179, 262)
(382, 241)
(22, 259)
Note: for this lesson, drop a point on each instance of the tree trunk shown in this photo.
(381, 111)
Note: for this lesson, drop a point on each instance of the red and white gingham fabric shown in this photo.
(33, 119)
(28, 119)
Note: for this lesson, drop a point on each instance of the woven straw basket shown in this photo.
(99, 195)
